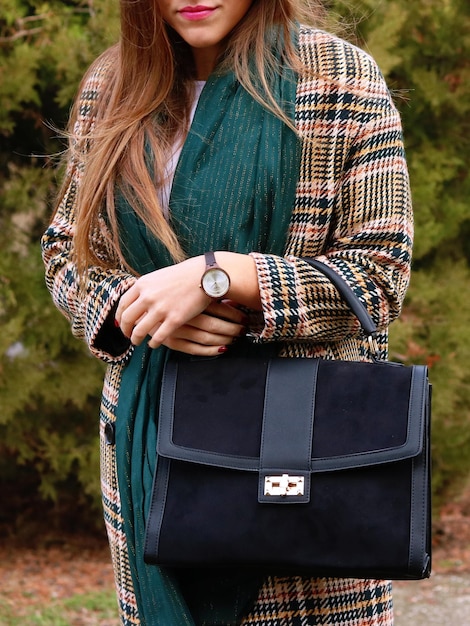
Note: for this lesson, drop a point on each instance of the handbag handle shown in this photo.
(356, 306)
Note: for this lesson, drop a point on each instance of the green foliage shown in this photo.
(45, 48)
(432, 331)
(49, 385)
(423, 48)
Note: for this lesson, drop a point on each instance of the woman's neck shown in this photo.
(205, 60)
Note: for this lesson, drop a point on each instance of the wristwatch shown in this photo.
(215, 281)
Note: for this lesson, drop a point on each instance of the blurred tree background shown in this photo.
(49, 385)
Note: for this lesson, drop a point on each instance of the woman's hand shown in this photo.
(160, 302)
(210, 332)
(169, 306)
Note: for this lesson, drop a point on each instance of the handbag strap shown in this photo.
(351, 299)
(287, 434)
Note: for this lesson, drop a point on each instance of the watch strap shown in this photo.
(210, 259)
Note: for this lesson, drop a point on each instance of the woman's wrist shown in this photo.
(244, 287)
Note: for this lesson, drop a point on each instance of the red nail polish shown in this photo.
(116, 323)
(223, 349)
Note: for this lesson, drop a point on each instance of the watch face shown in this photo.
(215, 283)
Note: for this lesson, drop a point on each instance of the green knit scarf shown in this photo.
(234, 189)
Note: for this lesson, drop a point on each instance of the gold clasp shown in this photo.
(284, 485)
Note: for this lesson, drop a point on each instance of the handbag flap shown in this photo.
(363, 414)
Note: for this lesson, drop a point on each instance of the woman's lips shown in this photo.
(198, 12)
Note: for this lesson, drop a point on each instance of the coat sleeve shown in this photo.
(88, 304)
(353, 211)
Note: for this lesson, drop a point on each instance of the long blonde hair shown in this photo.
(145, 100)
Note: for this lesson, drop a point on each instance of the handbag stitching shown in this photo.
(418, 530)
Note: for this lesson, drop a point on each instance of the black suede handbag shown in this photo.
(294, 465)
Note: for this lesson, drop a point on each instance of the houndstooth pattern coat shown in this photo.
(353, 212)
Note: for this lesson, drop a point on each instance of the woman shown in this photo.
(223, 127)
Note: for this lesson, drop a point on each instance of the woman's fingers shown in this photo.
(217, 325)
(203, 337)
(204, 329)
(227, 310)
(158, 329)
(194, 349)
(129, 312)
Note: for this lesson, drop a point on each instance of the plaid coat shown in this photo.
(353, 212)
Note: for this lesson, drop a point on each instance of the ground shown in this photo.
(53, 572)
(445, 597)
(71, 566)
